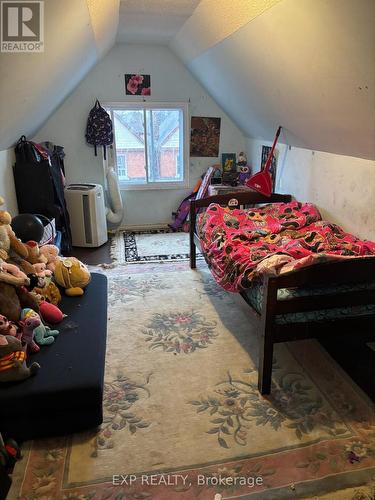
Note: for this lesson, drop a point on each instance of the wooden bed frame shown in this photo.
(341, 272)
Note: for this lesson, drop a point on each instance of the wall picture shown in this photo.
(229, 167)
(273, 167)
(137, 84)
(205, 136)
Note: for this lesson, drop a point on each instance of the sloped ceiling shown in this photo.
(152, 21)
(32, 86)
(308, 65)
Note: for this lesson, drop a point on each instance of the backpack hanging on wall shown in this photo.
(99, 131)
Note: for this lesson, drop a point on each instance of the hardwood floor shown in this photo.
(93, 256)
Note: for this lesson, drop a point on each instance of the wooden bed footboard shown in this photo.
(349, 271)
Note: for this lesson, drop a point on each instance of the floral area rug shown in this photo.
(183, 416)
(150, 246)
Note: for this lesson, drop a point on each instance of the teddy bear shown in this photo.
(12, 249)
(9, 273)
(49, 292)
(13, 360)
(34, 255)
(13, 299)
(43, 335)
(8, 240)
(72, 274)
(51, 253)
(41, 270)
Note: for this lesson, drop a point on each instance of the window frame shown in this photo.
(143, 106)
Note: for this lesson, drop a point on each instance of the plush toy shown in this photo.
(7, 327)
(28, 333)
(41, 270)
(245, 173)
(13, 361)
(48, 292)
(8, 241)
(13, 299)
(51, 253)
(243, 168)
(72, 274)
(34, 255)
(35, 281)
(12, 250)
(9, 273)
(50, 313)
(43, 335)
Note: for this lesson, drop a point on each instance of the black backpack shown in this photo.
(99, 131)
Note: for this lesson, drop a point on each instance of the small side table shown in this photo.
(214, 189)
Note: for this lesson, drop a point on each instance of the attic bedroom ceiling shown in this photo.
(153, 21)
(77, 33)
(307, 65)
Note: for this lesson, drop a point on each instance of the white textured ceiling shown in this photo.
(153, 21)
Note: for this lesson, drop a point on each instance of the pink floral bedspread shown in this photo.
(241, 244)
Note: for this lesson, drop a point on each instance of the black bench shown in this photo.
(66, 395)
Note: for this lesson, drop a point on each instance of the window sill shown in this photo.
(155, 187)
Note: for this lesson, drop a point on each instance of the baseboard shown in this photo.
(143, 227)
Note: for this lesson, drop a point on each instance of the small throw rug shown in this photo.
(183, 418)
(150, 246)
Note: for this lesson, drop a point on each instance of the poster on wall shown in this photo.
(229, 167)
(205, 136)
(137, 84)
(273, 167)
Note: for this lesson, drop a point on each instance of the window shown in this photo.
(150, 144)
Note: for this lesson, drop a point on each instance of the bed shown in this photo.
(291, 300)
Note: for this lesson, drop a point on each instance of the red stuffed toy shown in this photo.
(50, 313)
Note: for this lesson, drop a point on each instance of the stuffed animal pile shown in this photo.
(30, 277)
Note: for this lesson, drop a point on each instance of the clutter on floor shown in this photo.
(51, 371)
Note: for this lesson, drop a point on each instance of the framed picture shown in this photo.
(229, 167)
(137, 84)
(273, 167)
(205, 136)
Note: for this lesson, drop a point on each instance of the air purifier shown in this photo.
(85, 204)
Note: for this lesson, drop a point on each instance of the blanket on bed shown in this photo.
(240, 245)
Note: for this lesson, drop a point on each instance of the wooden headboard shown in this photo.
(234, 200)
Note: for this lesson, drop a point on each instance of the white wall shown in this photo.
(170, 81)
(343, 187)
(7, 190)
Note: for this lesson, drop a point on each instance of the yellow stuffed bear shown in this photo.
(71, 274)
(8, 240)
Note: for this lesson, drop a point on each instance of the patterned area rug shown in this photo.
(183, 417)
(150, 246)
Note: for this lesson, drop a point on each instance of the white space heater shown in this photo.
(85, 203)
